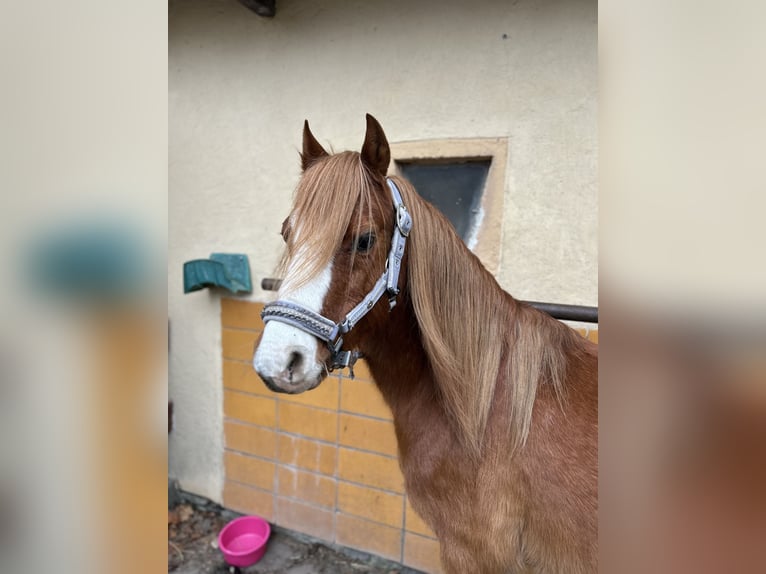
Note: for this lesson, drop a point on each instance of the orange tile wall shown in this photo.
(322, 463)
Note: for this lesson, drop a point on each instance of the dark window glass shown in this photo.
(455, 188)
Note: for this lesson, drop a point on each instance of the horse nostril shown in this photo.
(296, 359)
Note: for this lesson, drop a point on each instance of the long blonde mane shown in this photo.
(475, 334)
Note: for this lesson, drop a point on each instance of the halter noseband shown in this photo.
(332, 333)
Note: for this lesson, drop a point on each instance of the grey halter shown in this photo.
(332, 333)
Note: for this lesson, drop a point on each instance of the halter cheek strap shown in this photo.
(332, 333)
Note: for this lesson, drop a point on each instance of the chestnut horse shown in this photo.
(495, 403)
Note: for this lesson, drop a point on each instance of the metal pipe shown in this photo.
(567, 312)
(561, 311)
(270, 284)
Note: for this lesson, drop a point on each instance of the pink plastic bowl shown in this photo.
(243, 540)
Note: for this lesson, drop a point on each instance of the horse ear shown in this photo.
(375, 151)
(312, 149)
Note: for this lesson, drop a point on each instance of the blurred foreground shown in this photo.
(83, 384)
(682, 449)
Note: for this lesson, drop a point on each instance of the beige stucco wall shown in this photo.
(240, 87)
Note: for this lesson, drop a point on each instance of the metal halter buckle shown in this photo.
(403, 220)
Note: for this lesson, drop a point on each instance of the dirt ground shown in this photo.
(193, 526)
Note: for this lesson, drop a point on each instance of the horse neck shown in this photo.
(397, 359)
(452, 342)
(401, 367)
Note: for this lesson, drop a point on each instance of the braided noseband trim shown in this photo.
(286, 312)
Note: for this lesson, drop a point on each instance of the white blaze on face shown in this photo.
(286, 357)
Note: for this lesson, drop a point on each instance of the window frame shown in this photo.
(488, 239)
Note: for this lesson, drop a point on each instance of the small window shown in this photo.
(455, 187)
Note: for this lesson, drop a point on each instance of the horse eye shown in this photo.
(364, 242)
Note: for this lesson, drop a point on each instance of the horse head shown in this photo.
(339, 239)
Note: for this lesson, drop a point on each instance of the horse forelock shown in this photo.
(325, 200)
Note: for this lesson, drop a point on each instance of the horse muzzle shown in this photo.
(287, 360)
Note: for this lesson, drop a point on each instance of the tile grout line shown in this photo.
(310, 406)
(357, 379)
(247, 510)
(309, 470)
(337, 462)
(223, 407)
(335, 476)
(314, 439)
(404, 525)
(277, 518)
(324, 409)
